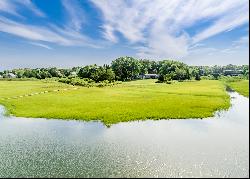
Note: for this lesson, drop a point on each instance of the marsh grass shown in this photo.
(135, 100)
(241, 86)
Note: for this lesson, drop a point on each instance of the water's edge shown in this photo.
(4, 112)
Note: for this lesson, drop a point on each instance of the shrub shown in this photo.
(86, 82)
(165, 78)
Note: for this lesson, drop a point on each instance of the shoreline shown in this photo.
(216, 114)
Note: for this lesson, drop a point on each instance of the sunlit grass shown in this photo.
(241, 87)
(136, 100)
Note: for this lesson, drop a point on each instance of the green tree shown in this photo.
(55, 72)
(86, 71)
(126, 68)
(102, 73)
(42, 74)
(19, 73)
(177, 70)
(29, 73)
(145, 66)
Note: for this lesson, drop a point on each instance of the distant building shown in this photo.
(11, 75)
(149, 76)
(1, 76)
(232, 72)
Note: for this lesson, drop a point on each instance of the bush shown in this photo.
(161, 78)
(18, 79)
(197, 77)
(97, 73)
(165, 79)
(231, 78)
(86, 82)
(209, 77)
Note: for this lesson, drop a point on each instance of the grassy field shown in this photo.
(241, 87)
(136, 100)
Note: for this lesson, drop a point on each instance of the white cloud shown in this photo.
(197, 45)
(41, 45)
(162, 46)
(31, 6)
(244, 40)
(7, 6)
(12, 7)
(226, 23)
(53, 34)
(30, 32)
(235, 53)
(109, 33)
(156, 29)
(241, 44)
(75, 14)
(212, 56)
(68, 34)
(160, 25)
(228, 50)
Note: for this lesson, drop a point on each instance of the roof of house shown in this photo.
(151, 74)
(11, 74)
(233, 70)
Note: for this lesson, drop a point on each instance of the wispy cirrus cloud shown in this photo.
(31, 32)
(241, 43)
(41, 45)
(8, 7)
(155, 29)
(244, 40)
(68, 34)
(75, 14)
(225, 23)
(29, 5)
(13, 6)
(236, 52)
(52, 33)
(161, 25)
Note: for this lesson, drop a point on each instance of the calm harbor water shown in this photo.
(213, 147)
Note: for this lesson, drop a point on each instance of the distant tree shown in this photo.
(54, 72)
(195, 72)
(245, 69)
(126, 68)
(102, 74)
(97, 73)
(108, 73)
(181, 74)
(29, 73)
(176, 70)
(145, 66)
(42, 74)
(65, 72)
(154, 67)
(86, 71)
(18, 72)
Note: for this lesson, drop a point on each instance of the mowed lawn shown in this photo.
(241, 87)
(136, 100)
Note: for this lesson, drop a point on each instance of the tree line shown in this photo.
(129, 68)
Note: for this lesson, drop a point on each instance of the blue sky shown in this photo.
(67, 33)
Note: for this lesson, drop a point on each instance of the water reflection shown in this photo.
(215, 147)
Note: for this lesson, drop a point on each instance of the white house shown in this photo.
(11, 75)
(149, 76)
